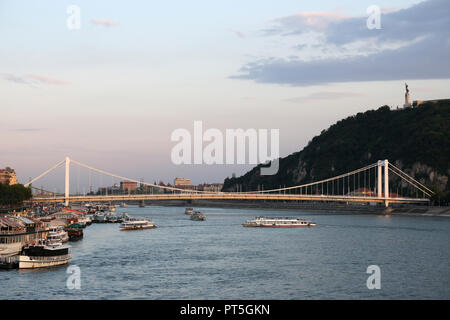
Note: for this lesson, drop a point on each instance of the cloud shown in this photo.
(325, 95)
(237, 33)
(14, 78)
(303, 22)
(30, 129)
(33, 79)
(47, 80)
(105, 22)
(413, 43)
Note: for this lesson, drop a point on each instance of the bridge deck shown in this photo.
(229, 196)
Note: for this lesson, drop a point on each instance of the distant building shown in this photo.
(8, 176)
(179, 182)
(417, 103)
(114, 189)
(187, 187)
(211, 187)
(128, 185)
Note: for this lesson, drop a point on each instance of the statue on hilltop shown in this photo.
(407, 99)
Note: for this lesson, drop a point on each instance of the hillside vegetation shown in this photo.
(417, 140)
(13, 195)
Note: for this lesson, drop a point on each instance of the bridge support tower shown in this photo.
(385, 164)
(67, 188)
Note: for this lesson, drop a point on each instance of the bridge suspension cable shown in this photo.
(317, 182)
(405, 177)
(45, 173)
(137, 181)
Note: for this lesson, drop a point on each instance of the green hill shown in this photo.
(417, 140)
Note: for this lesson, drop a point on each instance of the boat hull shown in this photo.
(27, 262)
(75, 235)
(198, 219)
(137, 228)
(268, 226)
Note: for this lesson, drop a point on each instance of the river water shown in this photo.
(220, 259)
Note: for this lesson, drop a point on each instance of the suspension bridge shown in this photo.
(375, 183)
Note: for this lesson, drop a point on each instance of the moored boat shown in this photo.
(57, 234)
(137, 225)
(123, 217)
(112, 218)
(99, 218)
(84, 221)
(278, 222)
(189, 211)
(11, 262)
(15, 232)
(74, 231)
(44, 255)
(75, 234)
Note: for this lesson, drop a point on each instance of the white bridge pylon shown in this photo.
(325, 189)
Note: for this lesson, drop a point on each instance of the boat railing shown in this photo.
(50, 258)
(5, 232)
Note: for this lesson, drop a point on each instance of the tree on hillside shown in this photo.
(14, 195)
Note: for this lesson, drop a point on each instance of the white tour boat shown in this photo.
(137, 225)
(44, 255)
(278, 222)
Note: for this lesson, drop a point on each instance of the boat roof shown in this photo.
(136, 221)
(25, 220)
(279, 218)
(11, 222)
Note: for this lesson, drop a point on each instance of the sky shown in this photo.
(110, 93)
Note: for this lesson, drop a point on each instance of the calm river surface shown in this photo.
(220, 259)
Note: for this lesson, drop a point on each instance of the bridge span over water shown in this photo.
(370, 184)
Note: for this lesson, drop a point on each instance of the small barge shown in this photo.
(75, 232)
(198, 216)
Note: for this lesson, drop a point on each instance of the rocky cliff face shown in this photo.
(425, 175)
